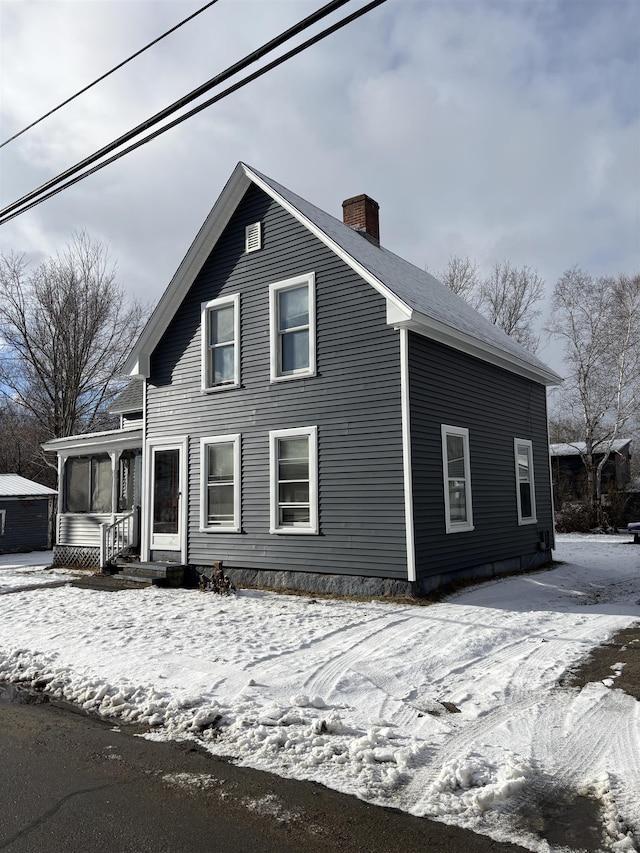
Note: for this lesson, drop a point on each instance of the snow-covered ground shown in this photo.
(454, 711)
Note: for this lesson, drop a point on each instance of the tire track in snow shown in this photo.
(323, 664)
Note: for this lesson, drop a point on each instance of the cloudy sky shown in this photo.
(498, 130)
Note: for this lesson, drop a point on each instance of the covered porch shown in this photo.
(99, 496)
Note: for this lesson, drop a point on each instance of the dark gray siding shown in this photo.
(354, 401)
(26, 524)
(448, 387)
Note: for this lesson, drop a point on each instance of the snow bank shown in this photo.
(453, 711)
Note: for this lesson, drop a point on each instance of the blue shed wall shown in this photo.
(26, 525)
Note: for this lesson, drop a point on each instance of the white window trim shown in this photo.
(234, 439)
(457, 527)
(3, 518)
(249, 231)
(529, 445)
(206, 307)
(274, 360)
(311, 433)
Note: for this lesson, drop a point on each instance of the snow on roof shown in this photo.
(416, 288)
(576, 448)
(13, 486)
(415, 299)
(130, 400)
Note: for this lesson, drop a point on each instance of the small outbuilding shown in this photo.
(26, 510)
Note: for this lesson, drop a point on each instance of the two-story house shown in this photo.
(315, 412)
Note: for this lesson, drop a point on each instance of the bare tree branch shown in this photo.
(66, 330)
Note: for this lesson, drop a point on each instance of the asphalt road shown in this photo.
(72, 784)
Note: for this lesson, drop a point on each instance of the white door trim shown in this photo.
(180, 443)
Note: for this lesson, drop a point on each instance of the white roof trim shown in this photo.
(399, 313)
(324, 238)
(438, 331)
(107, 440)
(139, 362)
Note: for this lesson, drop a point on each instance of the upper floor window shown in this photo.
(294, 480)
(293, 328)
(525, 487)
(253, 237)
(221, 343)
(3, 515)
(457, 479)
(220, 483)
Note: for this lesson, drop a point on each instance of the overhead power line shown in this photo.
(107, 74)
(176, 105)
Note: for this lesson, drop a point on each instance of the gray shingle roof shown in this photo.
(130, 400)
(415, 299)
(416, 288)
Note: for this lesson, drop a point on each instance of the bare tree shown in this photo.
(66, 330)
(508, 297)
(599, 321)
(462, 276)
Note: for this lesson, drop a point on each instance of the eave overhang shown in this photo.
(430, 328)
(96, 442)
(399, 313)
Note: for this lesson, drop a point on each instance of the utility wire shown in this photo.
(181, 102)
(107, 74)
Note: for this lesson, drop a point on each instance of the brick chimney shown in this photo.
(361, 214)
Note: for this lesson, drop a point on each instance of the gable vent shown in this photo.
(253, 237)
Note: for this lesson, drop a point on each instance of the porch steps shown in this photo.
(153, 574)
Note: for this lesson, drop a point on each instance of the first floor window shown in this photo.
(525, 488)
(457, 479)
(220, 343)
(88, 483)
(292, 312)
(220, 474)
(294, 480)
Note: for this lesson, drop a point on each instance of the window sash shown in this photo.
(220, 343)
(525, 484)
(294, 481)
(457, 479)
(292, 317)
(220, 477)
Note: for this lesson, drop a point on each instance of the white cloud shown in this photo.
(494, 129)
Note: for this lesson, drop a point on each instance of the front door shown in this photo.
(166, 488)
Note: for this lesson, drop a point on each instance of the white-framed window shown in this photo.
(3, 518)
(525, 485)
(292, 313)
(220, 324)
(220, 484)
(293, 455)
(253, 237)
(457, 479)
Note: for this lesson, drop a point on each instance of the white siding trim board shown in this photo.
(406, 454)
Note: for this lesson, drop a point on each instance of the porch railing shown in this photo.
(118, 536)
